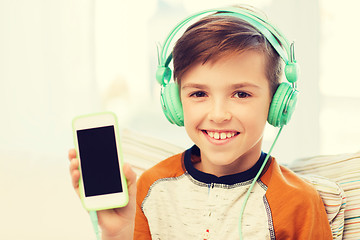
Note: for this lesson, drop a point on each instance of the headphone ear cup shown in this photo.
(171, 104)
(282, 105)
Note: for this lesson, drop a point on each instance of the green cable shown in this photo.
(94, 221)
(253, 183)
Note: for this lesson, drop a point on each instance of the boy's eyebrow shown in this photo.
(245, 84)
(233, 86)
(193, 85)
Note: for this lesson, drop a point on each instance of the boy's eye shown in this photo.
(242, 95)
(198, 94)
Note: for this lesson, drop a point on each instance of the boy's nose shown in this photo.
(219, 113)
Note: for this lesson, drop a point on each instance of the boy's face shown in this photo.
(225, 107)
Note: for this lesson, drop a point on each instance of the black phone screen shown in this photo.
(99, 161)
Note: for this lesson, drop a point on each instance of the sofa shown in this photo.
(336, 178)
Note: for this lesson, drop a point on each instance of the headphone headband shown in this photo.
(272, 34)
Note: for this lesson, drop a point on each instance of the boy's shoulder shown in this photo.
(284, 184)
(291, 198)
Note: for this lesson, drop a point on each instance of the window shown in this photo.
(339, 79)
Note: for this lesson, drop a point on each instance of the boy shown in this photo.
(227, 73)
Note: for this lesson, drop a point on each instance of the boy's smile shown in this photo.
(225, 107)
(220, 137)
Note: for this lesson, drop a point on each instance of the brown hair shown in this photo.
(216, 36)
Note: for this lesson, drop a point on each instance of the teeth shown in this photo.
(221, 135)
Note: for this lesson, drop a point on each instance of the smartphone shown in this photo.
(102, 183)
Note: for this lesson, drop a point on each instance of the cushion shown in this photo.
(344, 169)
(143, 152)
(334, 201)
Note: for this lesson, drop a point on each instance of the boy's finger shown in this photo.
(131, 179)
(75, 175)
(129, 174)
(74, 164)
(71, 154)
(74, 172)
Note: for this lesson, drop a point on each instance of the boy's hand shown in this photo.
(115, 223)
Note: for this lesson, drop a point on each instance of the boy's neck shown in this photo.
(241, 164)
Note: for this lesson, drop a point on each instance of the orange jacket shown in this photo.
(176, 201)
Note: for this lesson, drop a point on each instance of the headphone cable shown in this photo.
(253, 183)
(94, 221)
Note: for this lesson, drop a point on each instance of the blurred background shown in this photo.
(63, 58)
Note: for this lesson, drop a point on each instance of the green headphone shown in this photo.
(283, 103)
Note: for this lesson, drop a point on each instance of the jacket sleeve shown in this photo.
(141, 231)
